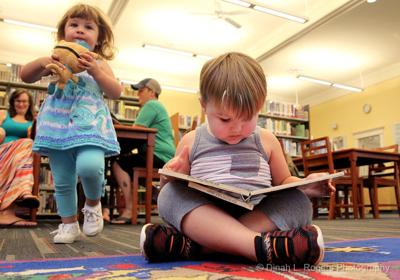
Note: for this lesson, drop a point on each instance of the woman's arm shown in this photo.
(3, 115)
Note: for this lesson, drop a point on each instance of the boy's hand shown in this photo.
(318, 189)
(179, 163)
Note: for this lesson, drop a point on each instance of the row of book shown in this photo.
(292, 148)
(187, 121)
(11, 73)
(285, 109)
(47, 202)
(283, 127)
(46, 178)
(121, 109)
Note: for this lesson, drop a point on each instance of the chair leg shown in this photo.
(135, 190)
(360, 196)
(149, 196)
(338, 209)
(346, 201)
(371, 199)
(397, 193)
(376, 201)
(332, 207)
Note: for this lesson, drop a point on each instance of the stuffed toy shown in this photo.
(68, 54)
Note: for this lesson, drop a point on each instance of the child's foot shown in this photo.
(164, 243)
(93, 220)
(295, 247)
(66, 233)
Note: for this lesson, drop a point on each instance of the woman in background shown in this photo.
(16, 171)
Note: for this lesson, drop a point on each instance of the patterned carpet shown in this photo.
(359, 259)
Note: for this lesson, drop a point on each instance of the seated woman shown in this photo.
(16, 171)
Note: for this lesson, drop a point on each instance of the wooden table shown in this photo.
(352, 158)
(146, 134)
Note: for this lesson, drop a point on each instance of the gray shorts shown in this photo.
(286, 209)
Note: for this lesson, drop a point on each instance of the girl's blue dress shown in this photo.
(73, 117)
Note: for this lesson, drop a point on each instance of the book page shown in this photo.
(208, 183)
(297, 184)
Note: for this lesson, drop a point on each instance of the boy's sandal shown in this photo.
(121, 221)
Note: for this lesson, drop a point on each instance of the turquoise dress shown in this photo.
(76, 116)
(15, 130)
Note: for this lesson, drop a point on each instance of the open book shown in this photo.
(236, 195)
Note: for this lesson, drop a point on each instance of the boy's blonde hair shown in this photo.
(236, 82)
(105, 42)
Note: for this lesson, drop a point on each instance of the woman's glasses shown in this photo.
(21, 101)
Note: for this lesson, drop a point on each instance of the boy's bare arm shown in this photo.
(180, 163)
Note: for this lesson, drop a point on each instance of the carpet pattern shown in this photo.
(359, 259)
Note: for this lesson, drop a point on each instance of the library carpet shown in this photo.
(377, 258)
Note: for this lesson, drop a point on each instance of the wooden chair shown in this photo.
(383, 176)
(140, 173)
(317, 157)
(36, 171)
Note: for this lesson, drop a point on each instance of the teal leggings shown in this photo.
(85, 162)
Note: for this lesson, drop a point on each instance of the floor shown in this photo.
(35, 243)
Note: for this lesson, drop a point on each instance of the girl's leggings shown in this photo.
(86, 162)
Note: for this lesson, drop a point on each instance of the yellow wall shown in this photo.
(347, 113)
(182, 103)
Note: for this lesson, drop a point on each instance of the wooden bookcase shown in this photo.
(289, 123)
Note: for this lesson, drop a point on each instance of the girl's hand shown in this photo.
(179, 163)
(88, 62)
(318, 189)
(53, 59)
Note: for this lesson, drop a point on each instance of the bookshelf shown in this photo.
(288, 122)
(126, 108)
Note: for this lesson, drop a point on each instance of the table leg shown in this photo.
(354, 191)
(149, 175)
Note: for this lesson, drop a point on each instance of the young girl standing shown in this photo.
(75, 129)
(231, 149)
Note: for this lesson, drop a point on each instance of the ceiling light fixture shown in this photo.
(27, 24)
(188, 90)
(314, 80)
(173, 51)
(266, 10)
(351, 88)
(327, 83)
(116, 9)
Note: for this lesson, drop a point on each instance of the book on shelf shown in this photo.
(240, 196)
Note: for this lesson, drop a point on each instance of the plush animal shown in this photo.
(68, 54)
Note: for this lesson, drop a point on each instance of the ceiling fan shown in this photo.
(224, 15)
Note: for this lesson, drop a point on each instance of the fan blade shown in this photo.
(232, 22)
